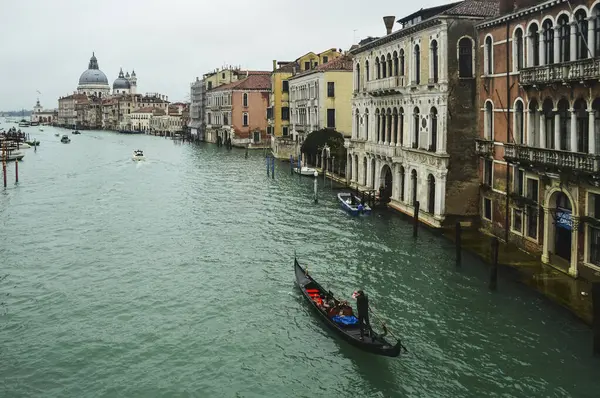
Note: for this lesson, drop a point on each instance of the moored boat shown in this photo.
(12, 155)
(138, 155)
(305, 171)
(352, 204)
(65, 139)
(345, 326)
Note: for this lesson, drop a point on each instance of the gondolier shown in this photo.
(362, 304)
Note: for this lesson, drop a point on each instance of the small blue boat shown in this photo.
(351, 203)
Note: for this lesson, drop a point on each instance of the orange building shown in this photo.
(237, 111)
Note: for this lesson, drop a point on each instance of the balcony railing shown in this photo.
(484, 147)
(380, 149)
(388, 84)
(581, 162)
(584, 69)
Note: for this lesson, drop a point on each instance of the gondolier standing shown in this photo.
(362, 304)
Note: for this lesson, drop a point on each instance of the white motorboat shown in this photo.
(56, 134)
(13, 155)
(65, 139)
(305, 171)
(41, 129)
(138, 155)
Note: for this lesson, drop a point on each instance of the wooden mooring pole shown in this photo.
(17, 171)
(494, 269)
(596, 320)
(458, 244)
(416, 220)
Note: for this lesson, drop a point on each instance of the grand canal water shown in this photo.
(173, 277)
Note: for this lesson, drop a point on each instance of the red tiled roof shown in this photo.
(147, 109)
(260, 81)
(343, 63)
(476, 8)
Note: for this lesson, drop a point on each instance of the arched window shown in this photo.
(357, 124)
(431, 194)
(384, 68)
(488, 128)
(519, 51)
(402, 70)
(417, 64)
(548, 42)
(433, 130)
(377, 68)
(580, 109)
(395, 127)
(401, 126)
(245, 119)
(548, 120)
(245, 100)
(357, 77)
(488, 56)
(564, 39)
(533, 135)
(565, 125)
(416, 122)
(366, 124)
(434, 61)
(377, 125)
(534, 45)
(519, 123)
(596, 19)
(465, 58)
(582, 34)
(390, 66)
(367, 78)
(395, 63)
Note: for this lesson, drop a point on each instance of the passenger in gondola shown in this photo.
(362, 304)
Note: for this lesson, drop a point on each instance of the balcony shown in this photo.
(552, 159)
(484, 147)
(380, 149)
(386, 86)
(584, 69)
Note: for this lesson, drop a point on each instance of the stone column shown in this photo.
(440, 193)
(542, 129)
(573, 39)
(367, 179)
(591, 39)
(530, 127)
(573, 271)
(377, 128)
(547, 226)
(573, 131)
(556, 46)
(557, 132)
(542, 48)
(592, 131)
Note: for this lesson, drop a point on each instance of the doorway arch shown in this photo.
(373, 165)
(364, 179)
(386, 180)
(431, 194)
(561, 226)
(413, 177)
(349, 168)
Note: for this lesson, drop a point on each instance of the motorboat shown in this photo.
(138, 155)
(305, 171)
(12, 155)
(33, 143)
(352, 204)
(76, 132)
(41, 129)
(56, 134)
(65, 139)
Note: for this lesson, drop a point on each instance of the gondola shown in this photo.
(317, 296)
(352, 204)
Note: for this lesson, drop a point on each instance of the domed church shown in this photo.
(93, 81)
(125, 84)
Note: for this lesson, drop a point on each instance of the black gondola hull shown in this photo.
(378, 345)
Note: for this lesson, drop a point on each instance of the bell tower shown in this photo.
(133, 82)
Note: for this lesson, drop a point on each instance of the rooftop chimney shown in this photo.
(507, 6)
(389, 23)
(274, 65)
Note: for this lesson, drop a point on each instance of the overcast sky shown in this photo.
(46, 45)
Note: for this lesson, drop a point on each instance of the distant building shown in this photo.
(237, 110)
(278, 113)
(41, 115)
(196, 120)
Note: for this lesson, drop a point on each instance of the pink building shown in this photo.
(238, 111)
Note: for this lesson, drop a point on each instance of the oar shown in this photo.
(386, 329)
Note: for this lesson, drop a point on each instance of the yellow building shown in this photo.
(278, 113)
(320, 98)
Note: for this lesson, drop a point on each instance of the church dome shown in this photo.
(93, 75)
(121, 82)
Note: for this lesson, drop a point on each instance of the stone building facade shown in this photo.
(414, 113)
(540, 130)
